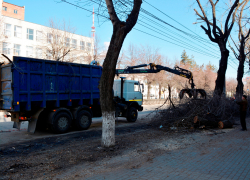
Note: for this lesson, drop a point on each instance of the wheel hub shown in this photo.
(62, 122)
(84, 120)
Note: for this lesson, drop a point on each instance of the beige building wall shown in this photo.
(22, 38)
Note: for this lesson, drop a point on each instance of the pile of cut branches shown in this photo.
(212, 112)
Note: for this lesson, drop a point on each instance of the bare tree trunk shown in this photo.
(240, 85)
(159, 91)
(149, 88)
(106, 86)
(221, 73)
(120, 30)
(108, 128)
(240, 72)
(220, 36)
(243, 38)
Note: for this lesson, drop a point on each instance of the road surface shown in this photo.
(9, 134)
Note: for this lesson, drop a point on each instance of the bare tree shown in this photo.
(231, 84)
(99, 52)
(58, 43)
(57, 40)
(219, 36)
(209, 78)
(131, 58)
(148, 55)
(242, 51)
(120, 31)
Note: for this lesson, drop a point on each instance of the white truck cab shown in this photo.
(131, 90)
(128, 98)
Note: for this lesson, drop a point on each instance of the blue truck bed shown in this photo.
(30, 83)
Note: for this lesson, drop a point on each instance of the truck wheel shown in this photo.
(83, 120)
(61, 123)
(132, 114)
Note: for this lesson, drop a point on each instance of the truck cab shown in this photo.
(128, 97)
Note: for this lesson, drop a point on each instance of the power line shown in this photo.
(151, 15)
(174, 20)
(167, 30)
(177, 39)
(105, 7)
(193, 48)
(186, 33)
(168, 41)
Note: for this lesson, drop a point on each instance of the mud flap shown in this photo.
(32, 126)
(33, 122)
(17, 125)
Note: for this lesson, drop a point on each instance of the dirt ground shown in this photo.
(61, 157)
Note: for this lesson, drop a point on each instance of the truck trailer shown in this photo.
(58, 95)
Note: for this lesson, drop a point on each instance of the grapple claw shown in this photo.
(193, 93)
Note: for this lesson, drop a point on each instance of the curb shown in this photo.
(12, 130)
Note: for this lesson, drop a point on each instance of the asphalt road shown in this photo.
(8, 134)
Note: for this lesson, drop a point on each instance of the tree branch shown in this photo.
(112, 13)
(235, 54)
(228, 30)
(133, 16)
(234, 43)
(209, 34)
(214, 20)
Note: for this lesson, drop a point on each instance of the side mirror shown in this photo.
(142, 88)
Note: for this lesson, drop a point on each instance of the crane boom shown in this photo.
(157, 68)
(153, 68)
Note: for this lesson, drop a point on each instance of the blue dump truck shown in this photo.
(59, 95)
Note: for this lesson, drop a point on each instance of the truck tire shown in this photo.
(83, 120)
(61, 123)
(132, 114)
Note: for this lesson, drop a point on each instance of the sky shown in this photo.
(178, 34)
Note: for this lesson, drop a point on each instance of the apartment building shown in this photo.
(22, 38)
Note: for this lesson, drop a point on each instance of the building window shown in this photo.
(49, 54)
(30, 34)
(39, 53)
(7, 30)
(17, 50)
(29, 51)
(82, 45)
(74, 43)
(57, 39)
(39, 36)
(89, 46)
(4, 8)
(18, 31)
(49, 38)
(15, 11)
(6, 48)
(67, 42)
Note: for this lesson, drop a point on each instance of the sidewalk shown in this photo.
(216, 155)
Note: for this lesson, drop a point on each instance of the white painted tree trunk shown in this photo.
(108, 129)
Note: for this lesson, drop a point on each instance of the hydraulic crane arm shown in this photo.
(157, 68)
